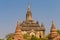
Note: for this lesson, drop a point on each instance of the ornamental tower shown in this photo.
(30, 24)
(29, 14)
(18, 34)
(53, 33)
(53, 30)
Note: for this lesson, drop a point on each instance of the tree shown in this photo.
(58, 31)
(34, 38)
(9, 36)
(26, 36)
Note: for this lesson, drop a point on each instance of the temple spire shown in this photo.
(42, 26)
(53, 31)
(28, 7)
(29, 14)
(18, 33)
(53, 27)
(18, 30)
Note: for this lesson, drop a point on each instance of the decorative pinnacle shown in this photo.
(28, 7)
(53, 25)
(53, 29)
(42, 24)
(52, 22)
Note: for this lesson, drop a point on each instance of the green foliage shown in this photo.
(58, 31)
(43, 39)
(9, 36)
(26, 36)
(34, 38)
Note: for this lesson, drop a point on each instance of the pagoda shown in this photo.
(29, 24)
(53, 33)
(18, 33)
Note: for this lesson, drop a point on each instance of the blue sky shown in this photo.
(12, 11)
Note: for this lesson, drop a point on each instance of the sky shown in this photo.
(12, 11)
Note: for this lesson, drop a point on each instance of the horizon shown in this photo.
(15, 10)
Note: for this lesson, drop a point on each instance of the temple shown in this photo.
(31, 27)
(29, 24)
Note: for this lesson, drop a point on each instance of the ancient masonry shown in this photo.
(31, 27)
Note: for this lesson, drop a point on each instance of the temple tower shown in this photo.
(53, 33)
(29, 14)
(18, 34)
(53, 30)
(30, 24)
